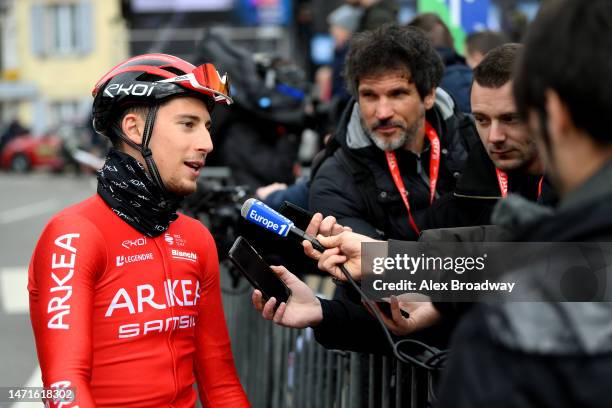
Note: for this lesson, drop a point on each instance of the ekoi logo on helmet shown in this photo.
(142, 89)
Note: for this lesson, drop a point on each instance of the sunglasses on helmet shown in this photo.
(205, 79)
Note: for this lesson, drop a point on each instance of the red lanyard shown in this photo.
(502, 179)
(434, 169)
(540, 187)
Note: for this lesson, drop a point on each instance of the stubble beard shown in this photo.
(406, 136)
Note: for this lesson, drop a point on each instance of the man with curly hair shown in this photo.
(400, 144)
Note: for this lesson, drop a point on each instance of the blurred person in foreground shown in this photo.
(125, 299)
(479, 43)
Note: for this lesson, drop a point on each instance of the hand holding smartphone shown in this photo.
(385, 308)
(252, 266)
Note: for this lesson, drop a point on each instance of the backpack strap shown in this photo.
(317, 161)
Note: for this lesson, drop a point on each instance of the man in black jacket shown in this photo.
(505, 162)
(400, 145)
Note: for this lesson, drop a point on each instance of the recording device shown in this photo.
(300, 217)
(246, 259)
(260, 214)
(385, 308)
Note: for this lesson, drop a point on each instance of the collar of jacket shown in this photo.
(479, 180)
(594, 189)
(517, 214)
(584, 215)
(450, 56)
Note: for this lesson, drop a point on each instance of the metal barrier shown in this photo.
(281, 367)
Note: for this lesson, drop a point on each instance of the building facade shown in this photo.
(52, 53)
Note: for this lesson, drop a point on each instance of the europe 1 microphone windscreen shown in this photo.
(260, 214)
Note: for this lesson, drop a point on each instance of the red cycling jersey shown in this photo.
(127, 320)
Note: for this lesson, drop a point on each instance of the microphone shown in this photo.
(260, 214)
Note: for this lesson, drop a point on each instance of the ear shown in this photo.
(559, 119)
(132, 126)
(430, 99)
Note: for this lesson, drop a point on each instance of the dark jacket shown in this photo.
(457, 78)
(566, 362)
(257, 153)
(483, 374)
(349, 326)
(477, 191)
(296, 193)
(348, 195)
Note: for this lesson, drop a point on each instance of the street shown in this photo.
(27, 203)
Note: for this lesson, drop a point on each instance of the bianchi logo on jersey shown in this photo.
(184, 255)
(122, 259)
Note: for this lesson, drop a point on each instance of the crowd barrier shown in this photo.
(287, 368)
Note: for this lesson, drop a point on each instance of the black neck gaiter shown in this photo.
(126, 188)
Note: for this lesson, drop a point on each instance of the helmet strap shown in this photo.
(123, 137)
(144, 150)
(147, 154)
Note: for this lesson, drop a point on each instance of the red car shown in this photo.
(26, 152)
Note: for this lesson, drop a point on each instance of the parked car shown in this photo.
(26, 152)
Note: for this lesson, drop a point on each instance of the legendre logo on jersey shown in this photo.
(122, 259)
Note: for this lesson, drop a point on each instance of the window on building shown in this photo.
(61, 19)
(62, 28)
(66, 111)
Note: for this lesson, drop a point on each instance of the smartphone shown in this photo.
(246, 259)
(300, 217)
(385, 308)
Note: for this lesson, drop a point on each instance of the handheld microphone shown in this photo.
(260, 214)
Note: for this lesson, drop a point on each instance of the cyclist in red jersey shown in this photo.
(124, 292)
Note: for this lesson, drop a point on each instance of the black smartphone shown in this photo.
(385, 308)
(300, 217)
(246, 259)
